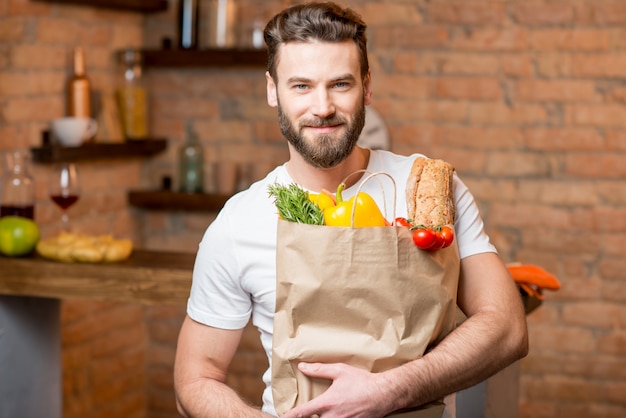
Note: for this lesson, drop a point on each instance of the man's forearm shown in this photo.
(209, 398)
(461, 360)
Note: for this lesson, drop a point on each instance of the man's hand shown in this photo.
(354, 393)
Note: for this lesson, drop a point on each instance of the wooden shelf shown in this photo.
(169, 200)
(98, 151)
(218, 57)
(144, 6)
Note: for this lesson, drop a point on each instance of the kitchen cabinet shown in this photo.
(144, 6)
(31, 290)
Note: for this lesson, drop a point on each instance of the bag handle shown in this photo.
(370, 176)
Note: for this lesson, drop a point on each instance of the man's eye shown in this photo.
(300, 86)
(342, 84)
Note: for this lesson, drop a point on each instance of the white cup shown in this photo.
(73, 131)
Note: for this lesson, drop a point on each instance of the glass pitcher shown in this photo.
(18, 187)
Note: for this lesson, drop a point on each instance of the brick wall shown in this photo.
(525, 97)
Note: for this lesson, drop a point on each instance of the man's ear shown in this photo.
(271, 90)
(367, 89)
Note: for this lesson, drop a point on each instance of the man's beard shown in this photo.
(323, 151)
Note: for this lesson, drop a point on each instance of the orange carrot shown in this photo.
(528, 273)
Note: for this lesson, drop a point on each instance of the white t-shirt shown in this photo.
(234, 273)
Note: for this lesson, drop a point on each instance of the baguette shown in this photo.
(429, 195)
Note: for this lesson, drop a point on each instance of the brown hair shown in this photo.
(322, 21)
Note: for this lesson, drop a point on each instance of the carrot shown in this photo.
(535, 275)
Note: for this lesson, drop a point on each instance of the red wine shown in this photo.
(27, 211)
(64, 201)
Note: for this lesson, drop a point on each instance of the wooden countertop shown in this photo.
(148, 277)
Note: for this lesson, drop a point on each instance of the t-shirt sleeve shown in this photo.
(217, 298)
(469, 226)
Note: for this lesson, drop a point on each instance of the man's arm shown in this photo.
(203, 355)
(493, 336)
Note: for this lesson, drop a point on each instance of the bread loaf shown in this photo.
(429, 196)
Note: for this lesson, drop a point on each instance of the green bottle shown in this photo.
(191, 162)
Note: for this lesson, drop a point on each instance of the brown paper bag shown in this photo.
(362, 296)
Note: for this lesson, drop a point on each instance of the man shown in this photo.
(319, 80)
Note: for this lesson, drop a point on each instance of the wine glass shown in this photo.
(64, 189)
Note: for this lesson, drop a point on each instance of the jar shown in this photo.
(131, 96)
(18, 187)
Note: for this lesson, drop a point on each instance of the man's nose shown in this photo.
(323, 104)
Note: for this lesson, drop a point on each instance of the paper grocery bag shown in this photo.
(362, 296)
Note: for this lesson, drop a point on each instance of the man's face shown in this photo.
(321, 99)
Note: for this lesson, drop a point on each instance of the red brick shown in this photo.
(590, 410)
(517, 65)
(416, 135)
(522, 215)
(469, 88)
(618, 38)
(555, 65)
(556, 91)
(406, 86)
(32, 83)
(65, 31)
(601, 166)
(616, 140)
(41, 108)
(12, 30)
(565, 389)
(390, 14)
(407, 37)
(613, 343)
(461, 12)
(441, 110)
(490, 39)
(612, 268)
(590, 40)
(517, 164)
(557, 193)
(535, 13)
(563, 139)
(598, 65)
(456, 63)
(605, 12)
(576, 289)
(536, 409)
(600, 115)
(595, 315)
(501, 114)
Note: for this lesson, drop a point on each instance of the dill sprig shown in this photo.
(293, 204)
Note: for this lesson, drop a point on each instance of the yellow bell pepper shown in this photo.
(366, 213)
(322, 200)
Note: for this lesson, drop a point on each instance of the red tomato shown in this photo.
(402, 222)
(424, 238)
(439, 240)
(447, 234)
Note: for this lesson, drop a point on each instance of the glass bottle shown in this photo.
(79, 88)
(191, 165)
(132, 97)
(18, 187)
(188, 11)
(222, 23)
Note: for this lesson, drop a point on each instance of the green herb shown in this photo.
(293, 204)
